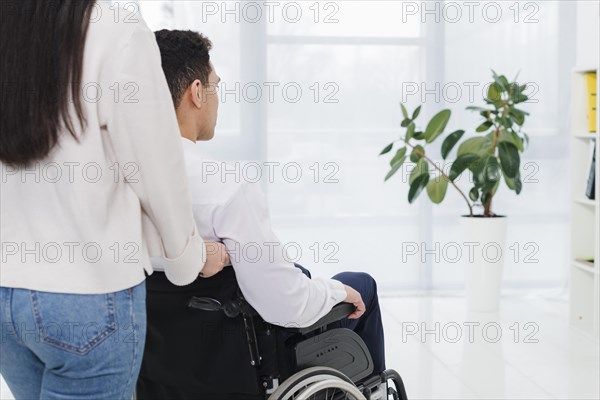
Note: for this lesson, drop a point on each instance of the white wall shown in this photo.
(588, 42)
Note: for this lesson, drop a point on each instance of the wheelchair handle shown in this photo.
(232, 309)
(205, 304)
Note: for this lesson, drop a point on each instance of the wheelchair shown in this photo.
(246, 358)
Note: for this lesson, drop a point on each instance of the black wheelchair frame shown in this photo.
(287, 350)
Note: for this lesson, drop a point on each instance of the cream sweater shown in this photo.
(87, 218)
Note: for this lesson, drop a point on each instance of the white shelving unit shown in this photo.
(585, 213)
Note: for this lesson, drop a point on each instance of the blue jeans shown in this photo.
(369, 326)
(71, 346)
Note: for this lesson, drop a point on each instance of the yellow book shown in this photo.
(590, 79)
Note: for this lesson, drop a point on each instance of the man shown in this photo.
(235, 213)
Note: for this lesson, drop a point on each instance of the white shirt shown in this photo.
(236, 213)
(87, 218)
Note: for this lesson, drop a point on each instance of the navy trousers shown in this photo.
(369, 326)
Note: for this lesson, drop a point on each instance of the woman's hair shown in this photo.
(42, 45)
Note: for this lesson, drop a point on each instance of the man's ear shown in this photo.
(196, 92)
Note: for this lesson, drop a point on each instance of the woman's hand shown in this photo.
(216, 259)
(353, 297)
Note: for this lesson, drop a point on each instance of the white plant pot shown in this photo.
(484, 241)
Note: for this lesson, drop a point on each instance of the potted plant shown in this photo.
(491, 156)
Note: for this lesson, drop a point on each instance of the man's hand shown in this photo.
(216, 259)
(353, 297)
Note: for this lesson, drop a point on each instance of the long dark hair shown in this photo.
(41, 45)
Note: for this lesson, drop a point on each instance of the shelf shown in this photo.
(585, 266)
(586, 136)
(586, 202)
(585, 68)
(584, 297)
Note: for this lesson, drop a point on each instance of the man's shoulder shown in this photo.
(216, 182)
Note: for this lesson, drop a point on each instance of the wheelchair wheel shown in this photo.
(317, 383)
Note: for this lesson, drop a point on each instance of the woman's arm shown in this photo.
(144, 131)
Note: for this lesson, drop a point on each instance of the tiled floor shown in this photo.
(526, 351)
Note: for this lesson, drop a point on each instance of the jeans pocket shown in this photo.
(74, 322)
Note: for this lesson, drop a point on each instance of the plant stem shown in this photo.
(495, 144)
(487, 207)
(487, 212)
(444, 175)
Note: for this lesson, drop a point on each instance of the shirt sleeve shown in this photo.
(280, 292)
(143, 129)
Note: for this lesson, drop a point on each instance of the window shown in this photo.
(314, 87)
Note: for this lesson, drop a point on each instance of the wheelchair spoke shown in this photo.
(317, 383)
(330, 394)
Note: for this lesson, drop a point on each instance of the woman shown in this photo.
(87, 196)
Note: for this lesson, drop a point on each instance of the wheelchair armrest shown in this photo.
(231, 308)
(338, 312)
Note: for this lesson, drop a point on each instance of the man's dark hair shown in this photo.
(185, 58)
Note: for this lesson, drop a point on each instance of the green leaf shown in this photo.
(509, 158)
(386, 149)
(493, 172)
(505, 122)
(510, 137)
(405, 122)
(496, 186)
(410, 132)
(512, 89)
(520, 98)
(517, 115)
(450, 142)
(500, 80)
(416, 113)
(494, 91)
(417, 187)
(517, 141)
(421, 168)
(487, 173)
(437, 125)
(519, 119)
(519, 111)
(461, 163)
(400, 154)
(484, 127)
(475, 108)
(417, 152)
(394, 169)
(419, 135)
(489, 191)
(436, 189)
(503, 82)
(480, 145)
(495, 75)
(485, 196)
(499, 104)
(514, 183)
(474, 194)
(479, 171)
(404, 112)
